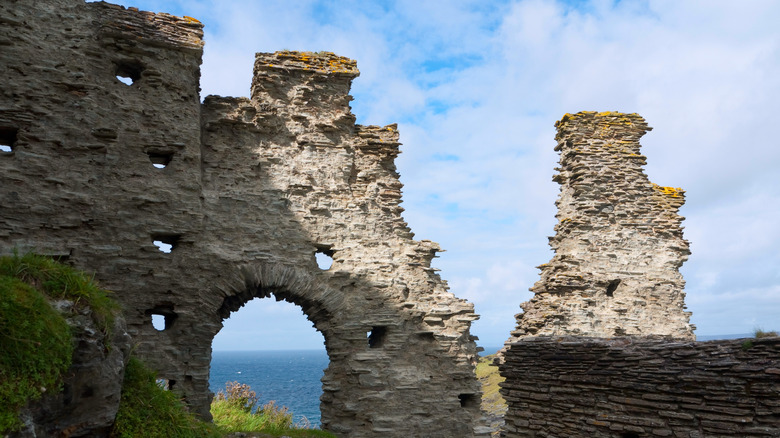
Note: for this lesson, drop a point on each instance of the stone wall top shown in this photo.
(318, 62)
(157, 28)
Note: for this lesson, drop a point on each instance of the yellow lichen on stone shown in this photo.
(670, 191)
(319, 62)
(191, 19)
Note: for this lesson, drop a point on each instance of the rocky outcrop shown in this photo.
(631, 387)
(88, 401)
(618, 242)
(111, 155)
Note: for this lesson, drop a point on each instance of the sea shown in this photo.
(291, 378)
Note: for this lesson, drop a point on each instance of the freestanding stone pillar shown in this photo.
(618, 242)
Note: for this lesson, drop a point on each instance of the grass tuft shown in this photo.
(35, 348)
(147, 410)
(58, 282)
(759, 333)
(234, 411)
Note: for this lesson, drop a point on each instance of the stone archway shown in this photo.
(295, 287)
(245, 191)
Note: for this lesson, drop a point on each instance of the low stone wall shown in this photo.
(623, 387)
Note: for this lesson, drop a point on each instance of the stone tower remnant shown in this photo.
(109, 153)
(618, 243)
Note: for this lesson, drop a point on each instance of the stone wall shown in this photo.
(618, 243)
(629, 387)
(246, 190)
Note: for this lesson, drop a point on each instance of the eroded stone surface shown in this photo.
(246, 192)
(618, 243)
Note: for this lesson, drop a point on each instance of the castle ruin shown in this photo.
(109, 152)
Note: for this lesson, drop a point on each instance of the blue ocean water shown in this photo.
(291, 378)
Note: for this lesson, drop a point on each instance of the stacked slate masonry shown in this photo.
(642, 387)
(112, 150)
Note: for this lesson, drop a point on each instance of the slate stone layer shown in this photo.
(618, 242)
(248, 191)
(629, 387)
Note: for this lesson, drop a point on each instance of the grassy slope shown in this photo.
(487, 373)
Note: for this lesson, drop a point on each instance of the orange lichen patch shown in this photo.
(191, 19)
(670, 191)
(319, 62)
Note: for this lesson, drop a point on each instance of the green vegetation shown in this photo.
(764, 334)
(35, 348)
(148, 410)
(488, 375)
(234, 411)
(36, 345)
(61, 282)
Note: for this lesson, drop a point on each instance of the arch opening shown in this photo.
(272, 346)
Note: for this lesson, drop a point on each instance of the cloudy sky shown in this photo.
(476, 86)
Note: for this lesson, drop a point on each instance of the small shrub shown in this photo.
(239, 396)
(146, 410)
(233, 408)
(764, 334)
(747, 345)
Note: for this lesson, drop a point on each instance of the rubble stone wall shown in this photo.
(246, 190)
(629, 387)
(618, 242)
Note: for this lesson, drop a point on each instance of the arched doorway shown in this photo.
(271, 346)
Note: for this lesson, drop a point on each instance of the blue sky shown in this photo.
(476, 86)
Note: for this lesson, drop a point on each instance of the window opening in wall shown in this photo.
(165, 243)
(158, 322)
(7, 139)
(467, 400)
(128, 72)
(162, 316)
(324, 257)
(612, 287)
(377, 336)
(160, 160)
(272, 347)
(166, 384)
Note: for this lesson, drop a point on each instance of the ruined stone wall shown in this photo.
(629, 387)
(246, 190)
(618, 243)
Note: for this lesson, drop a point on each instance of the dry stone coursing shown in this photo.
(246, 192)
(641, 387)
(618, 243)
